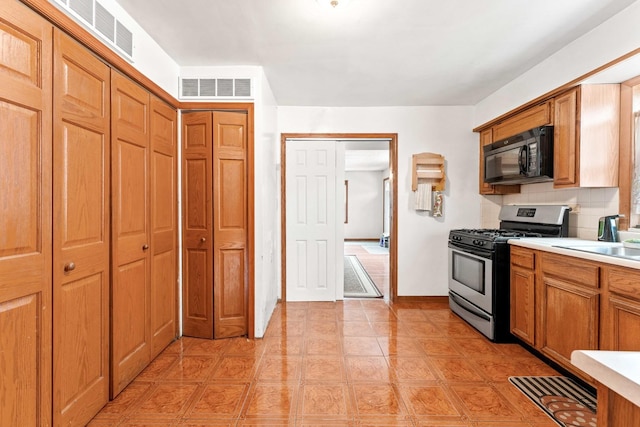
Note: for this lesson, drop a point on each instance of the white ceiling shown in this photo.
(372, 52)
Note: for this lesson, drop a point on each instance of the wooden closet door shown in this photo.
(164, 225)
(230, 256)
(130, 288)
(25, 217)
(81, 238)
(197, 284)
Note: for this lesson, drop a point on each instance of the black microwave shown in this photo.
(523, 158)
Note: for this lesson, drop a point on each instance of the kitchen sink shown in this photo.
(616, 251)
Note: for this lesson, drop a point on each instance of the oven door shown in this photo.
(471, 276)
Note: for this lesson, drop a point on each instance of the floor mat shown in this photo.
(357, 283)
(566, 402)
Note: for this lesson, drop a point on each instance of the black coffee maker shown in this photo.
(608, 228)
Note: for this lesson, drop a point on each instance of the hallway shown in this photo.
(357, 362)
(375, 261)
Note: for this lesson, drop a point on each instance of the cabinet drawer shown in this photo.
(523, 257)
(625, 281)
(571, 269)
(530, 118)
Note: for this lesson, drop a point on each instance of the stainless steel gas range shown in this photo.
(479, 264)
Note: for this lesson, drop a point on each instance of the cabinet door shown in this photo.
(197, 283)
(624, 324)
(569, 320)
(130, 288)
(565, 140)
(25, 217)
(81, 238)
(230, 224)
(538, 115)
(164, 225)
(523, 303)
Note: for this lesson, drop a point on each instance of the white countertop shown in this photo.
(618, 370)
(554, 244)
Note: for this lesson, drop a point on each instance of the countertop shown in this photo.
(617, 370)
(552, 244)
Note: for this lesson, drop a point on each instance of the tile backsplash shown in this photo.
(588, 205)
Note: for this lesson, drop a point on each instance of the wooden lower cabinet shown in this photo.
(616, 411)
(569, 308)
(569, 319)
(25, 217)
(81, 240)
(523, 303)
(555, 304)
(622, 327)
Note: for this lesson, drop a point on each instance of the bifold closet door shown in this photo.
(81, 169)
(164, 225)
(230, 225)
(130, 287)
(197, 233)
(215, 228)
(25, 216)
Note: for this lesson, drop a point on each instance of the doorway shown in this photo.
(389, 243)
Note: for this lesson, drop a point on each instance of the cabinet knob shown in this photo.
(69, 267)
(203, 239)
(145, 247)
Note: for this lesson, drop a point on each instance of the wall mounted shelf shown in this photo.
(428, 167)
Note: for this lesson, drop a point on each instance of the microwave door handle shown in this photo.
(523, 160)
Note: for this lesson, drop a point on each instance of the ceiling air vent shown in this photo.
(103, 23)
(211, 88)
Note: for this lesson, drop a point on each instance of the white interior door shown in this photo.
(313, 261)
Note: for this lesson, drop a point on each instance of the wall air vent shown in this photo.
(101, 22)
(210, 88)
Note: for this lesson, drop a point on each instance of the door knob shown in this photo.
(69, 267)
(145, 247)
(203, 239)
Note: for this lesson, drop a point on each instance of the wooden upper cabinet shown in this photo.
(539, 115)
(81, 240)
(25, 216)
(586, 136)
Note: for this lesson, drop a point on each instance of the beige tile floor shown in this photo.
(350, 363)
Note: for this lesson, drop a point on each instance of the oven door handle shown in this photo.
(469, 307)
(476, 253)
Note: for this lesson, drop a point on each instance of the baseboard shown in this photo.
(429, 299)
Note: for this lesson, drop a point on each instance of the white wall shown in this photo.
(266, 184)
(611, 40)
(607, 42)
(267, 204)
(422, 239)
(365, 205)
(148, 57)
